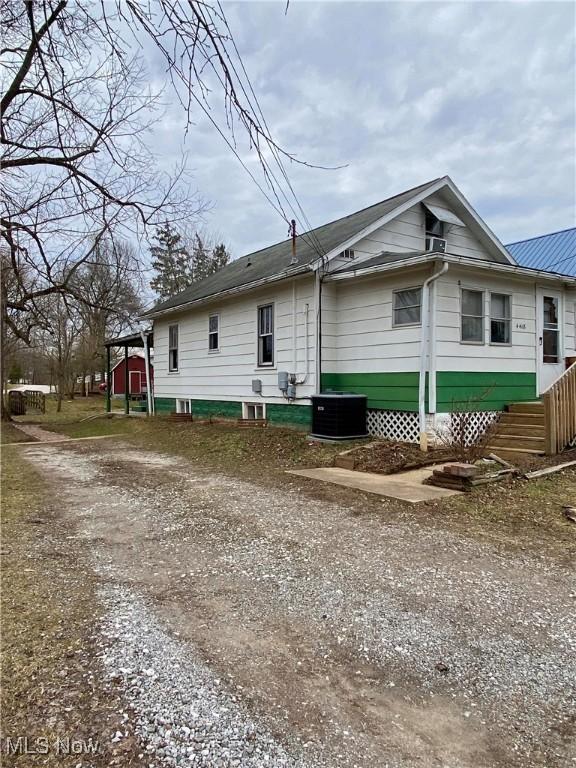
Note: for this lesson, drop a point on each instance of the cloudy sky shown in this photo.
(398, 93)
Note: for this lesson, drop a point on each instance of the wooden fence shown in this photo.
(30, 400)
(560, 412)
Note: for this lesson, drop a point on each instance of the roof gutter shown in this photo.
(299, 269)
(451, 259)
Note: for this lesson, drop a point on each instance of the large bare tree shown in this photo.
(75, 117)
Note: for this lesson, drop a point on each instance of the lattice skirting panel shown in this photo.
(404, 426)
(469, 427)
(394, 425)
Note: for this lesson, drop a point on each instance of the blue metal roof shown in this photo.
(555, 252)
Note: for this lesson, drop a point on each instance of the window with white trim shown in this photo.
(472, 316)
(183, 406)
(254, 411)
(173, 348)
(347, 253)
(500, 318)
(407, 306)
(266, 335)
(214, 333)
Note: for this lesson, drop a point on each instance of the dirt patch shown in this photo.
(387, 457)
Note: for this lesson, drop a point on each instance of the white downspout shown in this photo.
(317, 331)
(307, 356)
(149, 398)
(294, 334)
(426, 322)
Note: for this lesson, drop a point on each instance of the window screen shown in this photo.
(173, 348)
(214, 333)
(407, 306)
(266, 335)
(500, 318)
(472, 323)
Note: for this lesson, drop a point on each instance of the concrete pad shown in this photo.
(406, 486)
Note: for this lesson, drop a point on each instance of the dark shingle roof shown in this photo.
(555, 252)
(276, 259)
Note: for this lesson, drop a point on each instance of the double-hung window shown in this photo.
(407, 306)
(266, 335)
(500, 318)
(214, 333)
(173, 348)
(472, 316)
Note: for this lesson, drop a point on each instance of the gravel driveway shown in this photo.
(258, 628)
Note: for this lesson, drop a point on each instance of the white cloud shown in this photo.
(400, 93)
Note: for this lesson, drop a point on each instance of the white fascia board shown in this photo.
(418, 198)
(401, 264)
(480, 222)
(487, 266)
(295, 272)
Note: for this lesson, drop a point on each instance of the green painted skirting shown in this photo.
(201, 408)
(386, 391)
(297, 415)
(455, 390)
(164, 405)
(486, 391)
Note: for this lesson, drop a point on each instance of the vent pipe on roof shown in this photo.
(292, 233)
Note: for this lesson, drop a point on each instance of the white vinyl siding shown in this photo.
(228, 375)
(452, 355)
(406, 233)
(358, 331)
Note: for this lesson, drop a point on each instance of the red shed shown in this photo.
(136, 376)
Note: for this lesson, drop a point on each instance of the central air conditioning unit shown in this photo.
(339, 416)
(435, 245)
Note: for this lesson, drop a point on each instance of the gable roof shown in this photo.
(275, 261)
(555, 252)
(312, 247)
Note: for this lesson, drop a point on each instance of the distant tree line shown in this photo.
(67, 340)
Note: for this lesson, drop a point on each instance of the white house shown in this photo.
(412, 301)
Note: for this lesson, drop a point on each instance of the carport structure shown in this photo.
(141, 340)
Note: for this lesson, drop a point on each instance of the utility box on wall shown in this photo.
(339, 416)
(283, 377)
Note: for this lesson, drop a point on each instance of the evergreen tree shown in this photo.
(220, 257)
(200, 259)
(207, 260)
(172, 263)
